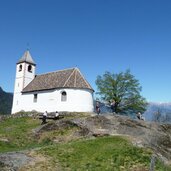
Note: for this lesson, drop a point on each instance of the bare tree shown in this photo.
(161, 116)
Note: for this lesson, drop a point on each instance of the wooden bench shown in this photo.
(51, 115)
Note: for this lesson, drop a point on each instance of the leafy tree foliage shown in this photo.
(124, 89)
(5, 102)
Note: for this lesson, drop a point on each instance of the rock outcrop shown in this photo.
(13, 161)
(140, 133)
(144, 134)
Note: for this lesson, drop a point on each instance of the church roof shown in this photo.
(68, 78)
(26, 58)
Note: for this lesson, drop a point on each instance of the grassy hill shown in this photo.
(5, 102)
(65, 147)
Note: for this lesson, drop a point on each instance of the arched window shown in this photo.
(35, 98)
(29, 68)
(20, 68)
(63, 96)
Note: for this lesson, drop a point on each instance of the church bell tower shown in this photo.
(25, 73)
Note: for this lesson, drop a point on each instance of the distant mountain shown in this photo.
(154, 107)
(163, 111)
(5, 102)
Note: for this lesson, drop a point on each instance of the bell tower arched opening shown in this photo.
(29, 68)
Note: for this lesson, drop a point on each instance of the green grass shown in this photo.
(107, 153)
(102, 154)
(18, 132)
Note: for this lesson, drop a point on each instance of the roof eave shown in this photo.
(32, 91)
(26, 62)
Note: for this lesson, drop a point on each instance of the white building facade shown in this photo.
(63, 90)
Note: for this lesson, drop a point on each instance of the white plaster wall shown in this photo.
(16, 101)
(23, 78)
(29, 76)
(78, 100)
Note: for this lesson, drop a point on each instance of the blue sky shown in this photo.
(94, 35)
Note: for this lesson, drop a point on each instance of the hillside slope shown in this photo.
(5, 102)
(83, 142)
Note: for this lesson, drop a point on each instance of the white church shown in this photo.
(63, 90)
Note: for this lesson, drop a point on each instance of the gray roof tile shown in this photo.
(68, 78)
(26, 58)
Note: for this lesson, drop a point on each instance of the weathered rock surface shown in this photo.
(13, 161)
(141, 133)
(144, 134)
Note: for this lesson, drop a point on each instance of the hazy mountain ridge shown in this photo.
(5, 102)
(153, 107)
(168, 104)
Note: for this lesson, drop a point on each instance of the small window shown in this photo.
(35, 98)
(63, 96)
(20, 68)
(29, 68)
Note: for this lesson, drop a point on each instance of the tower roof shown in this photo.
(26, 58)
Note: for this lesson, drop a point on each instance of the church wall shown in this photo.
(78, 100)
(29, 76)
(23, 78)
(16, 103)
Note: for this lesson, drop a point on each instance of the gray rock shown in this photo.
(143, 134)
(12, 161)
